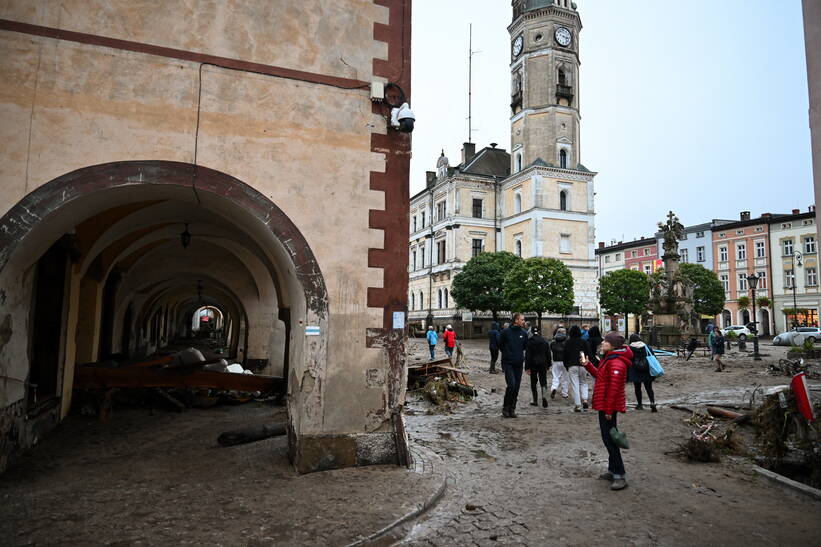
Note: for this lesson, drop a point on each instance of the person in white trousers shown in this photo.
(575, 355)
(560, 378)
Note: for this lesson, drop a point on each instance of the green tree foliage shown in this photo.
(743, 302)
(763, 301)
(478, 286)
(624, 292)
(708, 292)
(540, 285)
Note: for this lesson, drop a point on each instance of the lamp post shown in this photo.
(796, 256)
(752, 280)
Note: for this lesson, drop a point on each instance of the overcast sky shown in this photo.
(697, 106)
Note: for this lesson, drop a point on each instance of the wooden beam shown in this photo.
(105, 378)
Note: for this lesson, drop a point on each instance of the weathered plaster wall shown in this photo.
(306, 147)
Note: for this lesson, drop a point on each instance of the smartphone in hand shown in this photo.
(583, 357)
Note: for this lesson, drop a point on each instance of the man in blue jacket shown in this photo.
(493, 339)
(432, 339)
(512, 344)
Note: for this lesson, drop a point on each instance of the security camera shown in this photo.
(402, 118)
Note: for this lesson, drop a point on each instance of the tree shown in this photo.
(743, 302)
(708, 291)
(540, 285)
(478, 287)
(624, 291)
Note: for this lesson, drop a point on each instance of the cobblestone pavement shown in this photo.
(533, 480)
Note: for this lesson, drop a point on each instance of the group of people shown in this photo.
(448, 337)
(715, 339)
(572, 355)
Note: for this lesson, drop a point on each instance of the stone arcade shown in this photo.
(248, 124)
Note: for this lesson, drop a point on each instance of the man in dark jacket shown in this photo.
(537, 362)
(493, 340)
(512, 344)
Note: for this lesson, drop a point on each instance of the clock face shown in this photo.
(563, 36)
(517, 46)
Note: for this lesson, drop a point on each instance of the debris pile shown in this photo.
(440, 383)
(711, 438)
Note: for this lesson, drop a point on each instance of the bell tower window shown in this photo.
(563, 200)
(563, 159)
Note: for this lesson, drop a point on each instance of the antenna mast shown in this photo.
(470, 84)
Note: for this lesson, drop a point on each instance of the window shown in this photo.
(809, 244)
(786, 225)
(807, 222)
(518, 247)
(789, 279)
(413, 301)
(741, 251)
(446, 298)
(722, 234)
(563, 200)
(421, 300)
(634, 254)
(635, 268)
(518, 162)
(564, 244)
(700, 254)
(742, 282)
(760, 249)
(422, 255)
(414, 223)
(517, 202)
(699, 234)
(607, 259)
(477, 247)
(646, 252)
(439, 295)
(739, 232)
(685, 255)
(762, 280)
(423, 219)
(812, 277)
(413, 258)
(477, 208)
(648, 269)
(725, 282)
(563, 159)
(759, 228)
(618, 257)
(440, 252)
(441, 209)
(788, 247)
(722, 254)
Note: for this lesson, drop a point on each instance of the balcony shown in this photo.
(564, 92)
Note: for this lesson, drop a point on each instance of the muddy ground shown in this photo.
(533, 480)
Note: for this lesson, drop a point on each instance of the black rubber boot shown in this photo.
(535, 399)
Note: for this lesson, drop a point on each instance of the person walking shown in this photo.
(512, 344)
(575, 355)
(450, 340)
(711, 334)
(537, 361)
(594, 341)
(718, 349)
(432, 340)
(559, 373)
(609, 400)
(639, 373)
(493, 341)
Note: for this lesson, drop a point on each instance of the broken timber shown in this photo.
(423, 372)
(141, 376)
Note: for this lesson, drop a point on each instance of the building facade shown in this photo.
(545, 204)
(795, 270)
(697, 245)
(158, 165)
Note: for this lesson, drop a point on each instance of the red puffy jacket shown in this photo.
(450, 338)
(611, 376)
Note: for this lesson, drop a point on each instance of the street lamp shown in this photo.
(796, 257)
(752, 280)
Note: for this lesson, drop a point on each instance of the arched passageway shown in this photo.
(113, 261)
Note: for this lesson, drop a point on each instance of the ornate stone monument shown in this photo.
(671, 300)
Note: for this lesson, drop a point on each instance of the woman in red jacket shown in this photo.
(609, 400)
(450, 340)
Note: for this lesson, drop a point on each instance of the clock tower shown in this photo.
(544, 64)
(547, 203)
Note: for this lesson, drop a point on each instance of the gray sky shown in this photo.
(697, 106)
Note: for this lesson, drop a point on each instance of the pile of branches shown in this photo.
(709, 440)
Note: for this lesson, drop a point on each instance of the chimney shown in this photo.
(430, 179)
(601, 244)
(766, 215)
(745, 215)
(468, 151)
(796, 211)
(811, 209)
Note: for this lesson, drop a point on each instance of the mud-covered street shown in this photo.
(533, 480)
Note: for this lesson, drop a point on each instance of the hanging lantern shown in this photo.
(185, 237)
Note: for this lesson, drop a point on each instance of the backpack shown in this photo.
(641, 365)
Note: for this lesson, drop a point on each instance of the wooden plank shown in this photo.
(151, 362)
(104, 378)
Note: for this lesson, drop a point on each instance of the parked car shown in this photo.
(741, 331)
(796, 337)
